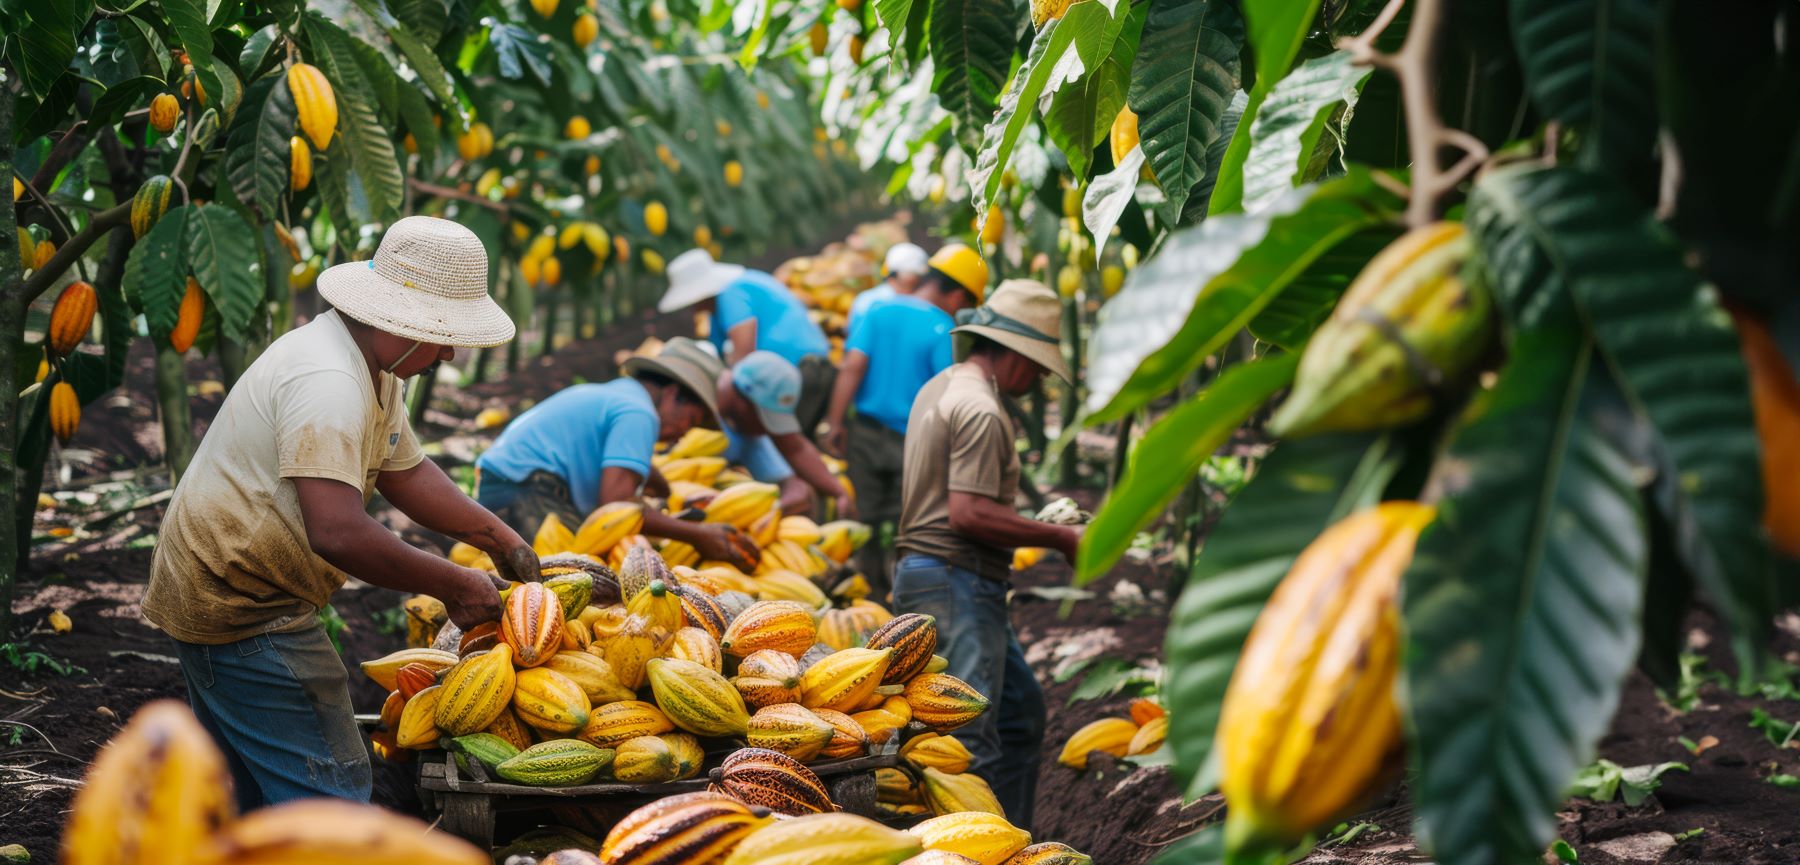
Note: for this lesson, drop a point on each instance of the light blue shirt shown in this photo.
(884, 291)
(907, 342)
(758, 455)
(576, 434)
(782, 325)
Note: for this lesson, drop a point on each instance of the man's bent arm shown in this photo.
(993, 524)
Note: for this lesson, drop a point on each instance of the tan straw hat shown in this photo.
(428, 281)
(1025, 316)
(694, 277)
(688, 362)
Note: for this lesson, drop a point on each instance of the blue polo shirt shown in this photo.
(758, 455)
(782, 325)
(907, 342)
(884, 291)
(577, 433)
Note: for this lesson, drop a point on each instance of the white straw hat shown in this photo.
(694, 277)
(428, 281)
(1023, 315)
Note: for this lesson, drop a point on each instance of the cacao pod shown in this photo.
(65, 411)
(315, 106)
(1775, 397)
(71, 317)
(825, 839)
(774, 780)
(164, 111)
(156, 793)
(331, 830)
(299, 164)
(690, 827)
(150, 203)
(189, 318)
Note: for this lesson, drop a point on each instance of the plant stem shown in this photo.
(177, 419)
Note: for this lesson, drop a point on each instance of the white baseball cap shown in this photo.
(905, 258)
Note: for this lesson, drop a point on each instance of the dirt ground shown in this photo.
(55, 716)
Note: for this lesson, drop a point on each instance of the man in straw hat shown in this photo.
(590, 445)
(893, 350)
(269, 518)
(753, 311)
(958, 525)
(756, 399)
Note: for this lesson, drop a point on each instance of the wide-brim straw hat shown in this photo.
(428, 281)
(1025, 316)
(694, 277)
(689, 363)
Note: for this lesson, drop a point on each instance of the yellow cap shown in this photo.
(964, 265)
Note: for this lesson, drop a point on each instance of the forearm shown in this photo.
(368, 551)
(660, 525)
(804, 459)
(428, 496)
(994, 524)
(796, 497)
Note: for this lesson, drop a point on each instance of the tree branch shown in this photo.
(68, 253)
(446, 192)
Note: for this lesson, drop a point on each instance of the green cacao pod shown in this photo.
(150, 203)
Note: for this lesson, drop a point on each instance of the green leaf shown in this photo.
(46, 44)
(1521, 604)
(1171, 453)
(1291, 317)
(1297, 491)
(331, 177)
(1108, 196)
(423, 17)
(1204, 847)
(156, 273)
(188, 19)
(110, 108)
(1676, 357)
(258, 50)
(416, 113)
(1185, 74)
(1299, 127)
(1275, 29)
(259, 159)
(897, 17)
(418, 54)
(1222, 272)
(517, 49)
(1589, 65)
(222, 253)
(971, 50)
(366, 140)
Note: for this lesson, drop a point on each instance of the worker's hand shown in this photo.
(518, 564)
(725, 543)
(1070, 542)
(833, 439)
(846, 506)
(474, 600)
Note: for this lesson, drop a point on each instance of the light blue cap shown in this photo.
(772, 384)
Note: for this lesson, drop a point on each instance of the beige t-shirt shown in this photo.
(958, 437)
(232, 559)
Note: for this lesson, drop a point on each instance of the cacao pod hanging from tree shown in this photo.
(71, 317)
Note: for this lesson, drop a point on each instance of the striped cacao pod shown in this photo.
(592, 674)
(1408, 327)
(847, 737)
(913, 637)
(1050, 853)
(556, 763)
(1111, 735)
(188, 318)
(549, 701)
(700, 610)
(315, 106)
(533, 624)
(570, 574)
(843, 680)
(385, 670)
(155, 794)
(791, 729)
(678, 830)
(414, 678)
(783, 626)
(150, 203)
(768, 677)
(985, 838)
(774, 780)
(418, 720)
(641, 567)
(825, 839)
(65, 411)
(1309, 722)
(475, 691)
(697, 699)
(612, 724)
(943, 702)
(71, 317)
(692, 644)
(933, 751)
(951, 794)
(331, 830)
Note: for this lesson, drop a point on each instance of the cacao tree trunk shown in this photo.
(12, 331)
(1067, 461)
(172, 403)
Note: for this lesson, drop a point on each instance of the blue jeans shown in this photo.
(976, 636)
(279, 707)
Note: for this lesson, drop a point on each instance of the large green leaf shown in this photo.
(423, 17)
(1298, 128)
(1185, 74)
(1590, 65)
(1209, 281)
(1295, 493)
(1291, 317)
(1521, 605)
(1675, 355)
(222, 253)
(371, 150)
(188, 19)
(1172, 451)
(971, 51)
(43, 46)
(1080, 118)
(1275, 29)
(417, 52)
(1089, 29)
(517, 50)
(259, 159)
(416, 113)
(156, 273)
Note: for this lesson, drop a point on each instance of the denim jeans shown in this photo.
(523, 505)
(976, 636)
(279, 707)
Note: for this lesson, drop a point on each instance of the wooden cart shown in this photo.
(467, 803)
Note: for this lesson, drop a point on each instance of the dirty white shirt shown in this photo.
(232, 559)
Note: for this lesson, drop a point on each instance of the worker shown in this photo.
(959, 526)
(590, 445)
(901, 270)
(892, 351)
(756, 399)
(752, 311)
(270, 517)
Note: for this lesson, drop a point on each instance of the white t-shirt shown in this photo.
(232, 559)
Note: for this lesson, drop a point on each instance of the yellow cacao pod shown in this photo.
(985, 838)
(299, 164)
(155, 794)
(315, 106)
(475, 692)
(71, 317)
(825, 839)
(613, 724)
(656, 218)
(953, 794)
(585, 29)
(1111, 735)
(550, 701)
(330, 830)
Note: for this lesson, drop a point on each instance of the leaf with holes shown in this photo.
(971, 50)
(1209, 281)
(1297, 491)
(156, 273)
(1185, 74)
(1521, 604)
(222, 253)
(365, 139)
(1589, 65)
